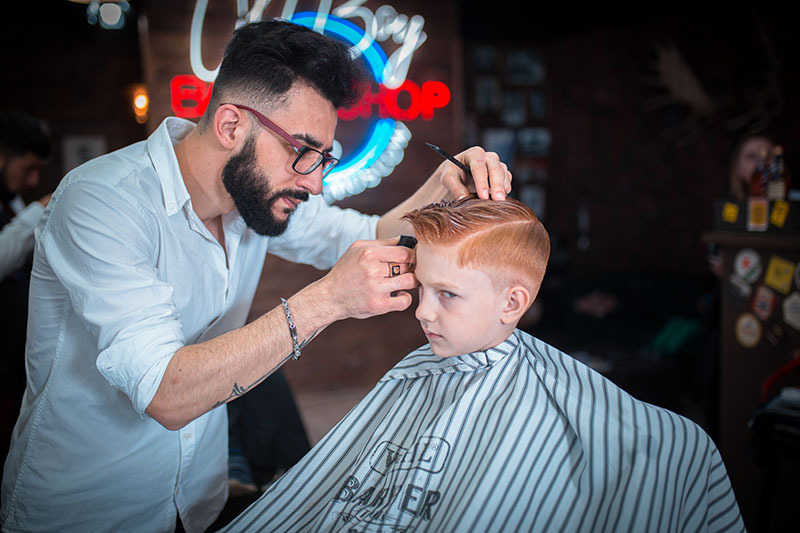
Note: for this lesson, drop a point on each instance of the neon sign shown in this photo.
(384, 144)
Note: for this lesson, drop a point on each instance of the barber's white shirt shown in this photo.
(125, 274)
(16, 237)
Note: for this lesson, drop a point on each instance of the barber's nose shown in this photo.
(311, 182)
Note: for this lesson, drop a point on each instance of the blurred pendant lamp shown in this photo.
(109, 14)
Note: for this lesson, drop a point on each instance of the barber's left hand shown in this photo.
(490, 176)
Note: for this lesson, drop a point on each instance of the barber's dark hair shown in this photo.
(263, 60)
(21, 133)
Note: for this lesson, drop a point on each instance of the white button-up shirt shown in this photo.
(125, 274)
(16, 237)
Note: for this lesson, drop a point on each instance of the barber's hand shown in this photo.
(363, 282)
(490, 176)
(44, 200)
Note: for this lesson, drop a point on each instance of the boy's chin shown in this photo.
(442, 352)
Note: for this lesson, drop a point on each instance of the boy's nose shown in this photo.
(424, 312)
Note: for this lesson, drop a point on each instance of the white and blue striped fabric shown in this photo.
(521, 437)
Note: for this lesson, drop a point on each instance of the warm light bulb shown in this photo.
(140, 101)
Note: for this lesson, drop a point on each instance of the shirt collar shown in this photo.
(161, 147)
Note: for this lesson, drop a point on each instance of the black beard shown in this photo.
(250, 190)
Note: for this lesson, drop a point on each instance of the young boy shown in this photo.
(489, 429)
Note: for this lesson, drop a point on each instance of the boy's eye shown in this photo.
(448, 294)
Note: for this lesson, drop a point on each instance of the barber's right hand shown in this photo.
(363, 284)
(44, 200)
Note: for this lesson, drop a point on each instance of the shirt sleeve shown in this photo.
(102, 248)
(319, 234)
(16, 239)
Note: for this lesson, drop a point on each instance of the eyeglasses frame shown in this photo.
(298, 147)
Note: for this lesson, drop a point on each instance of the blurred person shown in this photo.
(145, 267)
(24, 148)
(487, 428)
(744, 159)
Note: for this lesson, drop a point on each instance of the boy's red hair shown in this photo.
(503, 237)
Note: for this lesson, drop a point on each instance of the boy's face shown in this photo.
(459, 309)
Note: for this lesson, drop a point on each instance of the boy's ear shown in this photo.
(518, 300)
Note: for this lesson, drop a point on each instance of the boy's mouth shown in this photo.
(431, 335)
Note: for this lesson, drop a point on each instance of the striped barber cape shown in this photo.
(520, 437)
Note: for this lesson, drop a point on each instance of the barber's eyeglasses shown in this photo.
(308, 159)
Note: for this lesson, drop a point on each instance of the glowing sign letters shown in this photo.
(190, 96)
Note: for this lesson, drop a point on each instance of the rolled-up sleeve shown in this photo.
(102, 248)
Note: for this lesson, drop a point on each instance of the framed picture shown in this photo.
(525, 67)
(530, 170)
(484, 58)
(502, 141)
(488, 95)
(537, 105)
(534, 197)
(514, 108)
(79, 149)
(534, 141)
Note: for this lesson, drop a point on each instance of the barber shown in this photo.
(145, 267)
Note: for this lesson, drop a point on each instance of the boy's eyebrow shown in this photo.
(444, 284)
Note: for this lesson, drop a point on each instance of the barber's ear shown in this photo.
(230, 126)
(518, 299)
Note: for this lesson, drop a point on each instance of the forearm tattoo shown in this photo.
(241, 391)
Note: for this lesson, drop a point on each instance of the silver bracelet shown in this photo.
(292, 328)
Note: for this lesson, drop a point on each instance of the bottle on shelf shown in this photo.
(777, 183)
(758, 180)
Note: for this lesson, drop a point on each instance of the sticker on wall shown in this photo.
(780, 210)
(748, 330)
(738, 288)
(764, 302)
(747, 264)
(779, 274)
(757, 209)
(775, 335)
(791, 310)
(730, 212)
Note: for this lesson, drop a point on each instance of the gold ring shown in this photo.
(394, 270)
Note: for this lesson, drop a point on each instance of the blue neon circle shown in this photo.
(381, 131)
